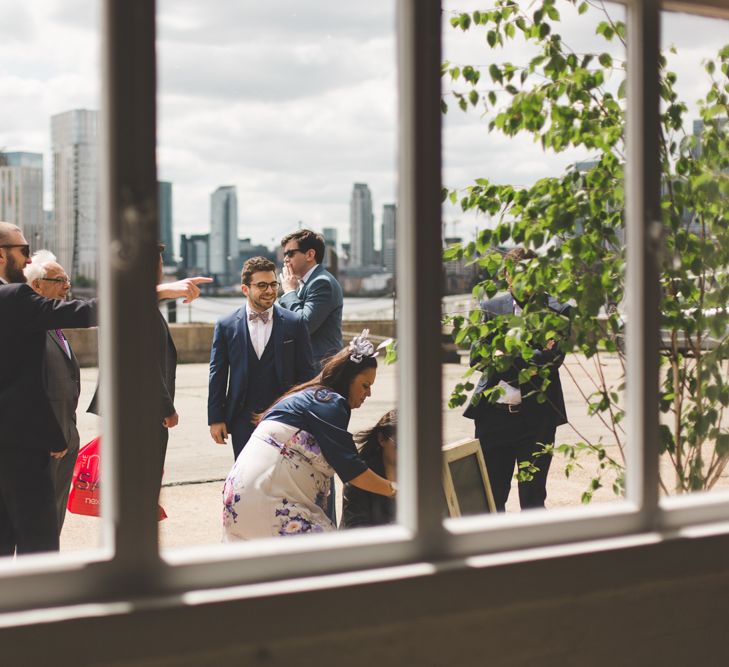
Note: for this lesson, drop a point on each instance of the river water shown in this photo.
(209, 309)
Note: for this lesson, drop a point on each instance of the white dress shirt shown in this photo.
(259, 332)
(511, 395)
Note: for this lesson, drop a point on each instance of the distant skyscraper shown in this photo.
(75, 146)
(330, 236)
(224, 247)
(389, 222)
(21, 194)
(361, 227)
(194, 252)
(165, 222)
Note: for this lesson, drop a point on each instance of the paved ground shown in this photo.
(195, 464)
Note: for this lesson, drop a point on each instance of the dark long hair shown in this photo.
(367, 441)
(337, 374)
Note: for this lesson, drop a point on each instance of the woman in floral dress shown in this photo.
(280, 482)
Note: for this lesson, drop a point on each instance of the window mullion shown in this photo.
(129, 261)
(419, 261)
(644, 235)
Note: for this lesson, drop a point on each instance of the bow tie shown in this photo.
(253, 316)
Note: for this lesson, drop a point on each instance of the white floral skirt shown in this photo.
(278, 486)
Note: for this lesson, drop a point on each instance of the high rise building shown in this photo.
(165, 222)
(330, 236)
(76, 206)
(224, 247)
(389, 222)
(361, 227)
(194, 253)
(21, 194)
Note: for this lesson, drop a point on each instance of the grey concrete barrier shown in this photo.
(193, 341)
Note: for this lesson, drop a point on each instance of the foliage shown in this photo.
(575, 223)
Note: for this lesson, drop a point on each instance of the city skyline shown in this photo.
(313, 113)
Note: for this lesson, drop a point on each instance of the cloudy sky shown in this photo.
(290, 101)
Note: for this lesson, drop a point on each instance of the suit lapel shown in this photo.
(277, 333)
(240, 341)
(57, 341)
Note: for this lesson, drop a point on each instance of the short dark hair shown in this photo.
(254, 265)
(307, 240)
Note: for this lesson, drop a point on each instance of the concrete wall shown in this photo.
(664, 604)
(193, 341)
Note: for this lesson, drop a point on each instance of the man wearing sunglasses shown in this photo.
(313, 292)
(30, 436)
(62, 377)
(259, 352)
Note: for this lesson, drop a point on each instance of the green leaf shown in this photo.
(582, 8)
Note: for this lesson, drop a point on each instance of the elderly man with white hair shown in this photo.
(61, 373)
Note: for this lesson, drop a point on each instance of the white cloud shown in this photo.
(292, 102)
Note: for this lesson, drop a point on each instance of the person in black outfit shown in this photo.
(515, 423)
(377, 448)
(30, 435)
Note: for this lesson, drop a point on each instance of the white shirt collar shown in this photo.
(306, 276)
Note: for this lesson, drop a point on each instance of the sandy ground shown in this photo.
(195, 464)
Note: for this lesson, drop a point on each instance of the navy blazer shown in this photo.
(26, 415)
(229, 360)
(554, 407)
(320, 304)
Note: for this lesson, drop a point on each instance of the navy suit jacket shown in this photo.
(26, 415)
(320, 304)
(228, 379)
(554, 407)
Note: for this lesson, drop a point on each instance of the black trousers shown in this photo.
(241, 431)
(508, 440)
(28, 514)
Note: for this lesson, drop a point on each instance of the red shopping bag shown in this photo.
(85, 495)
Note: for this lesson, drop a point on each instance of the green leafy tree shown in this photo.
(575, 222)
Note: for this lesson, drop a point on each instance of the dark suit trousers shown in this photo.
(28, 516)
(508, 440)
(241, 430)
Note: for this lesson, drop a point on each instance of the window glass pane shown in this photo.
(534, 108)
(49, 187)
(694, 276)
(271, 119)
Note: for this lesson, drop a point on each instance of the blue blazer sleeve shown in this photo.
(327, 422)
(317, 305)
(218, 378)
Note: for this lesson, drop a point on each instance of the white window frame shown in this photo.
(131, 566)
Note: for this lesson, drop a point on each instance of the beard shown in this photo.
(15, 271)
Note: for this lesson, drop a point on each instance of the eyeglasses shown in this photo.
(290, 253)
(65, 280)
(24, 248)
(264, 286)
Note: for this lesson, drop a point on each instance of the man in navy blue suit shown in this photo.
(313, 292)
(259, 352)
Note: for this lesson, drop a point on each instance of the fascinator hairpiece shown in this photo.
(361, 347)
